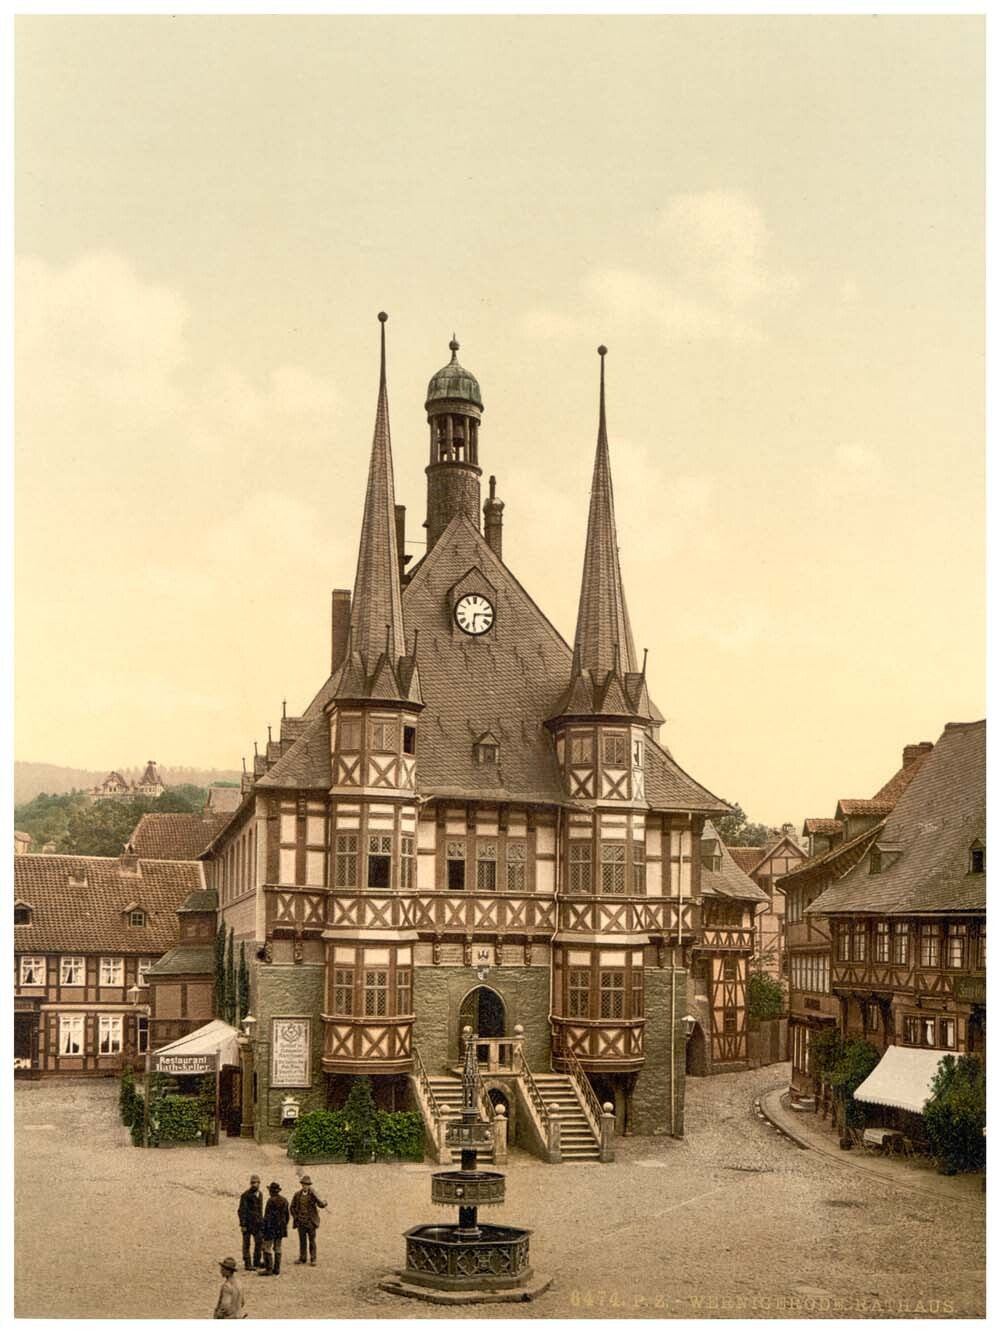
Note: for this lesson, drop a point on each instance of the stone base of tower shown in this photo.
(657, 1101)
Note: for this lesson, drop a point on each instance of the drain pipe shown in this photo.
(673, 1025)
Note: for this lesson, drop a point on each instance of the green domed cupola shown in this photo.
(455, 382)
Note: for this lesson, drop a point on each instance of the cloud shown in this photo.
(712, 274)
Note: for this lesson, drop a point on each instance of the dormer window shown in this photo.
(486, 750)
(977, 858)
(875, 862)
(22, 914)
(137, 917)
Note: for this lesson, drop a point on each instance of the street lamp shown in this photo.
(687, 1023)
(133, 995)
(248, 1025)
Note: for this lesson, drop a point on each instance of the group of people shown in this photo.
(264, 1226)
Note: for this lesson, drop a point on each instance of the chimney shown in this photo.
(404, 559)
(340, 625)
(493, 521)
(914, 752)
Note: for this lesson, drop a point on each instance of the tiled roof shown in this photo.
(730, 881)
(222, 800)
(849, 806)
(935, 821)
(836, 859)
(89, 917)
(823, 826)
(170, 837)
(185, 958)
(202, 900)
(747, 858)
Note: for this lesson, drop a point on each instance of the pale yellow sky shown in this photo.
(776, 225)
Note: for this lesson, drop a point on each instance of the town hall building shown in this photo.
(473, 822)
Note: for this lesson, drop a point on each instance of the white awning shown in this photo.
(216, 1043)
(902, 1078)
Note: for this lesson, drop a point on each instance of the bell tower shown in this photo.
(454, 410)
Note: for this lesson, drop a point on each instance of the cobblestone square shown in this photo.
(733, 1221)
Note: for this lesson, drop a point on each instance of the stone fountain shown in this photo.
(468, 1262)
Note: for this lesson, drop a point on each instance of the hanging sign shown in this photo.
(291, 1050)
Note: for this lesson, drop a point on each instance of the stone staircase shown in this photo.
(577, 1138)
(447, 1089)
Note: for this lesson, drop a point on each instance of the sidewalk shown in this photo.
(810, 1130)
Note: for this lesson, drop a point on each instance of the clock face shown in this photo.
(474, 613)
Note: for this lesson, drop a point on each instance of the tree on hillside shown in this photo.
(735, 830)
(47, 817)
(182, 800)
(103, 829)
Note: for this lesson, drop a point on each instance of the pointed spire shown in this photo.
(376, 609)
(603, 633)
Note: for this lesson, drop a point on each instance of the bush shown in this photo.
(825, 1049)
(180, 1119)
(138, 1109)
(361, 1120)
(857, 1060)
(765, 997)
(400, 1134)
(955, 1114)
(127, 1096)
(397, 1134)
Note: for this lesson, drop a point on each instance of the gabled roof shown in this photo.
(224, 800)
(823, 826)
(176, 837)
(729, 881)
(89, 918)
(849, 806)
(935, 822)
(185, 959)
(747, 858)
(115, 777)
(835, 860)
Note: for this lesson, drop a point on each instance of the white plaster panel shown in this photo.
(545, 876)
(425, 872)
(546, 839)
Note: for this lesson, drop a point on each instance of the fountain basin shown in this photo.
(467, 1189)
(437, 1256)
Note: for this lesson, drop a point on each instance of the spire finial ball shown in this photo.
(382, 316)
(602, 350)
(453, 345)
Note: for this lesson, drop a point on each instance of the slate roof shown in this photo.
(747, 858)
(202, 900)
(836, 859)
(89, 918)
(176, 837)
(185, 958)
(935, 821)
(508, 682)
(730, 881)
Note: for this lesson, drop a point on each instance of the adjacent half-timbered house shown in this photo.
(908, 921)
(88, 929)
(765, 866)
(473, 822)
(722, 959)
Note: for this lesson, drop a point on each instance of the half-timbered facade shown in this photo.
(908, 921)
(765, 866)
(721, 960)
(87, 930)
(472, 821)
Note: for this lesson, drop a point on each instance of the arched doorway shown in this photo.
(696, 1058)
(484, 1011)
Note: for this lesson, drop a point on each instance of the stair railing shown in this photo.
(591, 1106)
(425, 1093)
(534, 1093)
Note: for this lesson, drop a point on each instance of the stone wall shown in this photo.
(437, 998)
(284, 992)
(651, 1098)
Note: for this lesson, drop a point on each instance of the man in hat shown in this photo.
(305, 1216)
(251, 1215)
(275, 1229)
(230, 1302)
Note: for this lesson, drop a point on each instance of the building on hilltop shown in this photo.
(87, 929)
(473, 822)
(117, 788)
(22, 843)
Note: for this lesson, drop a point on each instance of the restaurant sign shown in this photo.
(184, 1064)
(291, 1048)
(970, 990)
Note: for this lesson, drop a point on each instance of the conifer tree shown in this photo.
(243, 984)
(219, 973)
(230, 987)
